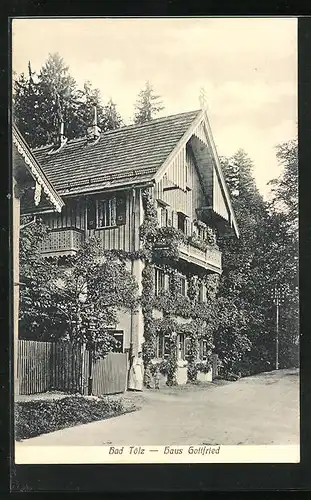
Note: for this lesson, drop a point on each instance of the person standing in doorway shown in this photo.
(136, 375)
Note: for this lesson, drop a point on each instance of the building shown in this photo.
(109, 181)
(30, 188)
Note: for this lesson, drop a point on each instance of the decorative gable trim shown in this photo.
(200, 127)
(36, 171)
(220, 174)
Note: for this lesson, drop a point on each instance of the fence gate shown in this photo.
(110, 374)
(62, 366)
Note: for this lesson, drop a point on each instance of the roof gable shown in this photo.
(130, 154)
(211, 174)
(136, 154)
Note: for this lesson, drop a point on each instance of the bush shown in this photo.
(36, 417)
(204, 366)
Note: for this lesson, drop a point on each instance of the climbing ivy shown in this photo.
(160, 247)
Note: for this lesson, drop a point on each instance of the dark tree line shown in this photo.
(41, 101)
(264, 258)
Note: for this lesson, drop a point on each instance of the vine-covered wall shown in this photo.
(160, 248)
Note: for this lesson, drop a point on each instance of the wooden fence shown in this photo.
(62, 366)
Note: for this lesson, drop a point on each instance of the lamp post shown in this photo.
(278, 296)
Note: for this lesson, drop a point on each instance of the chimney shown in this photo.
(62, 138)
(94, 131)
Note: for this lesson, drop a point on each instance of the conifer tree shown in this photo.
(42, 101)
(147, 105)
(111, 117)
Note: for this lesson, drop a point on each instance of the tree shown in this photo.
(78, 300)
(93, 288)
(90, 97)
(42, 101)
(285, 187)
(264, 258)
(283, 255)
(39, 316)
(26, 105)
(239, 296)
(111, 118)
(147, 105)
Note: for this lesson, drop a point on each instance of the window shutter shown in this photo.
(169, 217)
(121, 210)
(188, 226)
(91, 214)
(174, 219)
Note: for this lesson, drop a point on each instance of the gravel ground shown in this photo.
(263, 409)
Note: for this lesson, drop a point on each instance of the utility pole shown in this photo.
(277, 303)
(278, 298)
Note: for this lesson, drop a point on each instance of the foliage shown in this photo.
(93, 288)
(111, 117)
(38, 314)
(263, 258)
(204, 366)
(42, 101)
(41, 416)
(147, 105)
(79, 300)
(285, 188)
(231, 339)
(160, 246)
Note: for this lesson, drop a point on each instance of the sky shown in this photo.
(247, 67)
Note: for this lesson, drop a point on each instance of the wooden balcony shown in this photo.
(210, 258)
(62, 242)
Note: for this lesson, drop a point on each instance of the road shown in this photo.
(262, 409)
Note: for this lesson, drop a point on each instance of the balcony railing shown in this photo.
(209, 259)
(62, 242)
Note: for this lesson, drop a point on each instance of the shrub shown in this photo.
(203, 366)
(36, 417)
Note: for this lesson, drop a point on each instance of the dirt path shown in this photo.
(256, 410)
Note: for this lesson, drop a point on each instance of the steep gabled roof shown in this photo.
(136, 154)
(131, 154)
(33, 167)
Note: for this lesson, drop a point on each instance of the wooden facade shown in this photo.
(189, 193)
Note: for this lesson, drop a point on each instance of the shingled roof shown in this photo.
(127, 155)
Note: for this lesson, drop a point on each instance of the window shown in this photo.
(202, 297)
(162, 346)
(159, 281)
(119, 336)
(204, 350)
(162, 216)
(181, 224)
(106, 212)
(183, 286)
(183, 347)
